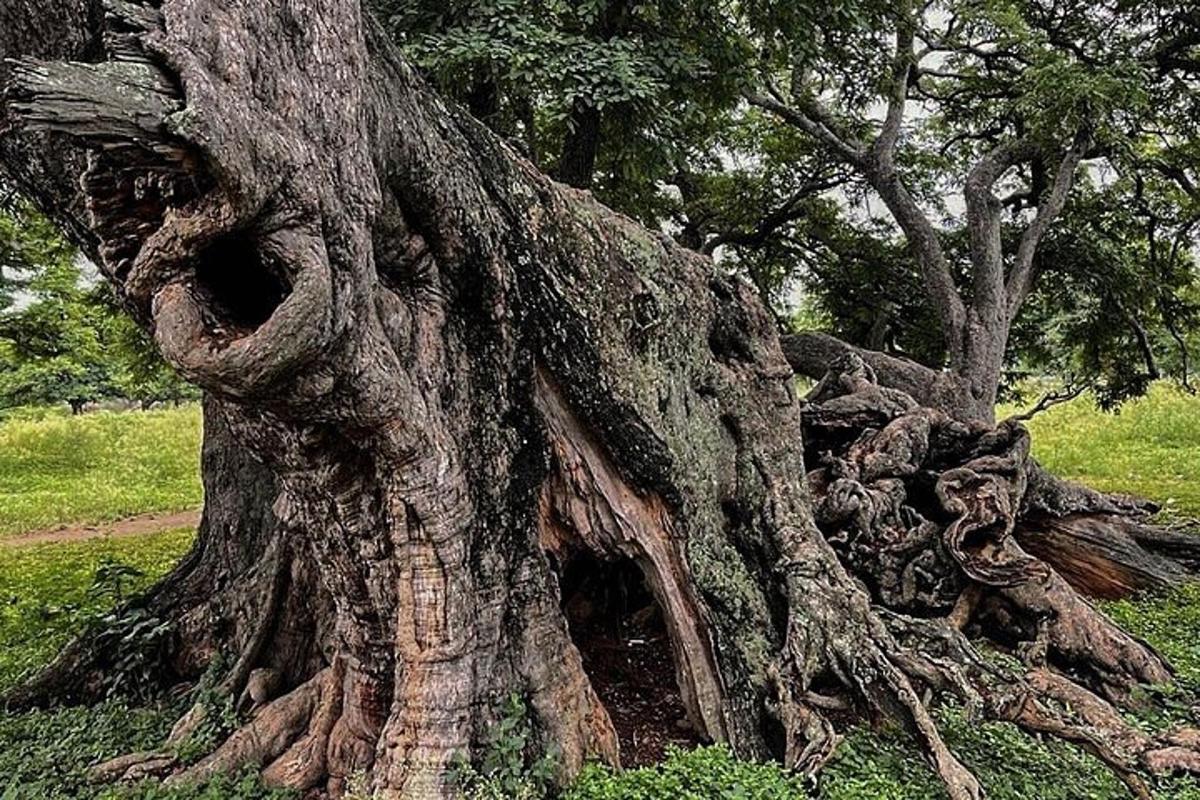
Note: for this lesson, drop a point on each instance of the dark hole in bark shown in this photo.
(622, 637)
(240, 289)
(1006, 626)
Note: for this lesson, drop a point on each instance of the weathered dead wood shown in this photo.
(113, 103)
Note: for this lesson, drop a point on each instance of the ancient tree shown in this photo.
(439, 383)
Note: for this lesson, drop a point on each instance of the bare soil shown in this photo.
(141, 525)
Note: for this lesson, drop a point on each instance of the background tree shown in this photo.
(995, 103)
(1118, 295)
(28, 241)
(63, 337)
(54, 340)
(1113, 311)
(612, 95)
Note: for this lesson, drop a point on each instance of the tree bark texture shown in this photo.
(457, 378)
(1107, 546)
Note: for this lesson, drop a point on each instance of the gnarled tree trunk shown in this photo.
(1108, 546)
(460, 381)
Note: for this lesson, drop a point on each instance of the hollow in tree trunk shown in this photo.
(457, 380)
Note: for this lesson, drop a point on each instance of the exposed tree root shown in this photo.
(927, 510)
(1043, 701)
(288, 738)
(1106, 546)
(923, 508)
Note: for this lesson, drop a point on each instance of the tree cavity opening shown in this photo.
(619, 629)
(239, 288)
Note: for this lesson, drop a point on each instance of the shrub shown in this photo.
(507, 771)
(706, 773)
(44, 755)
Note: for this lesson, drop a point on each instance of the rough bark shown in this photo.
(457, 378)
(1107, 546)
(44, 165)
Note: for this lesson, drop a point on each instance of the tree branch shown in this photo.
(876, 163)
(1142, 337)
(983, 220)
(811, 353)
(883, 150)
(1020, 279)
(790, 210)
(931, 258)
(1052, 399)
(816, 122)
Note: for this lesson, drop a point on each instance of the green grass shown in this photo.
(45, 755)
(45, 597)
(1150, 447)
(98, 467)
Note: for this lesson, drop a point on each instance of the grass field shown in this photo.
(1151, 447)
(58, 470)
(47, 591)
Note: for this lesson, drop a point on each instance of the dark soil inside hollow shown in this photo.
(622, 638)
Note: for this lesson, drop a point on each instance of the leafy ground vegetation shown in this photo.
(57, 469)
(48, 591)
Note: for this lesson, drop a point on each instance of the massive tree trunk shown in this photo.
(463, 386)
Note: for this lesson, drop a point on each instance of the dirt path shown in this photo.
(133, 526)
